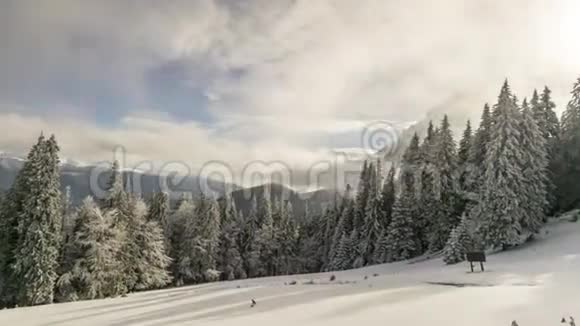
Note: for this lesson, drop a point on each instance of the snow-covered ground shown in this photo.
(537, 285)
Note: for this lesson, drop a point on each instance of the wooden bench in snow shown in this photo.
(476, 257)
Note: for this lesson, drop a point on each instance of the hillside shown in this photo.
(536, 284)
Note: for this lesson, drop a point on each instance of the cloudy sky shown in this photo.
(245, 80)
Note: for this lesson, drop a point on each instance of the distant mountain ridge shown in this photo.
(77, 177)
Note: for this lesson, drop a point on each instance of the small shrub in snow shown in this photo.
(458, 244)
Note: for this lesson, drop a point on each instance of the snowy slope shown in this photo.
(537, 285)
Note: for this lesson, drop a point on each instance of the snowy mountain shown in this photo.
(77, 176)
(536, 285)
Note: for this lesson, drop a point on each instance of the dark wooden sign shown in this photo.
(476, 257)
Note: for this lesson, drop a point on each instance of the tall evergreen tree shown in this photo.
(372, 228)
(568, 171)
(230, 260)
(159, 212)
(182, 217)
(547, 121)
(388, 195)
(478, 153)
(446, 210)
(115, 197)
(401, 239)
(534, 166)
(94, 271)
(500, 209)
(10, 212)
(39, 229)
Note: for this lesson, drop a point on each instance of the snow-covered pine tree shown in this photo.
(266, 237)
(39, 229)
(287, 237)
(549, 125)
(427, 198)
(401, 237)
(94, 271)
(249, 248)
(129, 221)
(546, 118)
(568, 173)
(343, 226)
(159, 211)
(534, 166)
(500, 209)
(388, 195)
(10, 211)
(205, 243)
(153, 262)
(411, 164)
(183, 216)
(372, 228)
(458, 245)
(463, 162)
(361, 198)
(344, 254)
(447, 216)
(115, 197)
(230, 261)
(477, 154)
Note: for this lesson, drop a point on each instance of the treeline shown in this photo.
(494, 189)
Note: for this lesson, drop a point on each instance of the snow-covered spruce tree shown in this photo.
(401, 237)
(446, 215)
(411, 164)
(39, 229)
(372, 228)
(387, 200)
(159, 211)
(9, 216)
(153, 272)
(534, 166)
(115, 197)
(249, 247)
(198, 260)
(68, 251)
(344, 254)
(361, 198)
(210, 230)
(463, 162)
(94, 271)
(459, 243)
(287, 238)
(477, 154)
(230, 260)
(343, 227)
(568, 173)
(388, 195)
(266, 237)
(500, 209)
(547, 120)
(427, 209)
(184, 215)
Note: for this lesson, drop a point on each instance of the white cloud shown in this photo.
(281, 73)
